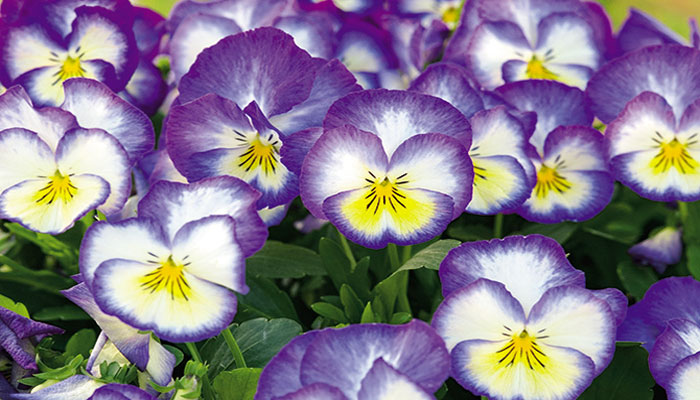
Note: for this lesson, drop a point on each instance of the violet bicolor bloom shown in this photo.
(117, 391)
(519, 322)
(17, 333)
(668, 299)
(58, 171)
(667, 322)
(392, 166)
(239, 128)
(368, 362)
(660, 250)
(179, 261)
(535, 39)
(642, 30)
(651, 100)
(139, 348)
(573, 180)
(674, 360)
(100, 46)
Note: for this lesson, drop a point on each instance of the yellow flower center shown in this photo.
(59, 188)
(383, 192)
(70, 68)
(673, 155)
(260, 154)
(548, 180)
(168, 276)
(451, 15)
(522, 348)
(536, 70)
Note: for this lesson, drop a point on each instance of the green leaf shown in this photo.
(259, 340)
(81, 343)
(560, 232)
(400, 318)
(431, 256)
(635, 279)
(351, 303)
(329, 311)
(692, 253)
(62, 313)
(281, 260)
(334, 261)
(691, 216)
(265, 299)
(50, 245)
(18, 308)
(239, 384)
(469, 233)
(627, 377)
(40, 279)
(367, 315)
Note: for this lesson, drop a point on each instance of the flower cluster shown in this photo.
(147, 160)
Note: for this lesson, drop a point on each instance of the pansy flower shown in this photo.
(651, 100)
(660, 250)
(536, 39)
(240, 128)
(76, 387)
(667, 322)
(57, 171)
(519, 323)
(179, 261)
(573, 180)
(668, 299)
(674, 360)
(404, 182)
(100, 46)
(368, 361)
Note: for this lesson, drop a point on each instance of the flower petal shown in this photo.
(27, 203)
(409, 216)
(527, 265)
(571, 316)
(680, 339)
(25, 156)
(339, 161)
(343, 357)
(500, 185)
(95, 106)
(395, 116)
(211, 251)
(174, 204)
(316, 391)
(282, 374)
(475, 366)
(383, 382)
(668, 70)
(684, 382)
(130, 239)
(93, 151)
(435, 162)
(481, 310)
(194, 34)
(450, 83)
(203, 313)
(491, 46)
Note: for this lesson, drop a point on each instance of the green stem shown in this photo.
(406, 253)
(498, 226)
(235, 350)
(194, 352)
(348, 253)
(683, 210)
(393, 252)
